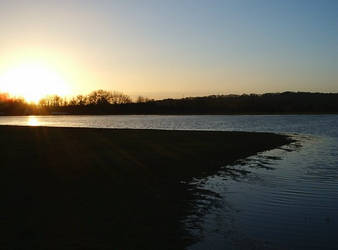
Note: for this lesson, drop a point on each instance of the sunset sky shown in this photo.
(168, 48)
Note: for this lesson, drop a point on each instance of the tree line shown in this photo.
(113, 102)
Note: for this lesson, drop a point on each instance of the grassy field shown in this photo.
(78, 188)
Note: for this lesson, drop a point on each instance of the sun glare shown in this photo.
(32, 81)
(33, 121)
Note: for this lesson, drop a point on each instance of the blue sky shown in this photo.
(179, 48)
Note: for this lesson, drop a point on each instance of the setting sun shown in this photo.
(33, 81)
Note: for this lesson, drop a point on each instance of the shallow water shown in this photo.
(287, 200)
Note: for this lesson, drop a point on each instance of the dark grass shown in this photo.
(78, 188)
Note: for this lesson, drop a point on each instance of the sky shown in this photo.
(163, 49)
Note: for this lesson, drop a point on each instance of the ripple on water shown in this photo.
(293, 206)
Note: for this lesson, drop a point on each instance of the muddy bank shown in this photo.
(78, 188)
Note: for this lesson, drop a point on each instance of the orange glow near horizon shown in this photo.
(33, 81)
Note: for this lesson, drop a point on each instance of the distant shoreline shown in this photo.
(178, 114)
(81, 188)
(113, 103)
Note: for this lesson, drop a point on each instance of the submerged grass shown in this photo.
(79, 188)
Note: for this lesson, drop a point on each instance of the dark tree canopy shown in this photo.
(113, 102)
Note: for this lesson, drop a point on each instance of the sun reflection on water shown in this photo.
(33, 121)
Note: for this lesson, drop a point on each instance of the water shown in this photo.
(287, 200)
(292, 203)
(304, 124)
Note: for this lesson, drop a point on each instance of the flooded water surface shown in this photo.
(286, 198)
